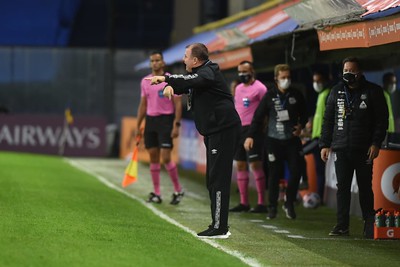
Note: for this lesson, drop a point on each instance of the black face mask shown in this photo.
(245, 78)
(349, 78)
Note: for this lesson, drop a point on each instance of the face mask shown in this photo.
(318, 87)
(284, 84)
(245, 78)
(391, 88)
(350, 78)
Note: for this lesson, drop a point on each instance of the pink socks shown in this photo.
(173, 173)
(155, 176)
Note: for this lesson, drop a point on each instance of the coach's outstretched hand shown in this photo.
(156, 79)
(168, 91)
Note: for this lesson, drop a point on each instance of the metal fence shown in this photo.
(89, 81)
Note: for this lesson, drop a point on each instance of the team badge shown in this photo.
(363, 105)
(271, 157)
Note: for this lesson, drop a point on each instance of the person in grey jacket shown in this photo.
(354, 127)
(284, 109)
(216, 119)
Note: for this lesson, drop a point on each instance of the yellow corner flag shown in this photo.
(131, 170)
(68, 116)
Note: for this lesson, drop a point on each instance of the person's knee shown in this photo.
(166, 156)
(256, 165)
(241, 165)
(154, 155)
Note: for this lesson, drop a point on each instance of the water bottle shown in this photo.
(379, 219)
(389, 222)
(397, 219)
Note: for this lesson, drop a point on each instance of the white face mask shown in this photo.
(284, 84)
(318, 87)
(391, 88)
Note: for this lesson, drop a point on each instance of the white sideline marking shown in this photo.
(256, 221)
(269, 226)
(296, 236)
(346, 238)
(247, 260)
(282, 231)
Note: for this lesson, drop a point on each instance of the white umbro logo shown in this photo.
(214, 151)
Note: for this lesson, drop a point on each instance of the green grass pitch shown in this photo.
(73, 212)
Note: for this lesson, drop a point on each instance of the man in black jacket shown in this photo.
(284, 108)
(355, 123)
(216, 119)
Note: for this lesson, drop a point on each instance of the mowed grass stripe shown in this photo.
(250, 238)
(247, 238)
(162, 215)
(55, 215)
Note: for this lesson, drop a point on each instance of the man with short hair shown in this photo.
(248, 95)
(354, 127)
(216, 119)
(285, 110)
(163, 117)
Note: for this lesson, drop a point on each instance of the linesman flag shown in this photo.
(131, 170)
(68, 116)
(68, 121)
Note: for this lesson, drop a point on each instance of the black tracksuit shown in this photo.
(354, 120)
(216, 119)
(281, 143)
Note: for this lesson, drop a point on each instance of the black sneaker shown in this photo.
(153, 198)
(339, 231)
(213, 233)
(289, 209)
(369, 228)
(272, 211)
(259, 209)
(177, 197)
(240, 208)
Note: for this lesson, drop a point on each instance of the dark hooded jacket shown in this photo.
(356, 118)
(210, 98)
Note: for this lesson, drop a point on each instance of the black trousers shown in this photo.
(280, 151)
(320, 171)
(346, 163)
(220, 148)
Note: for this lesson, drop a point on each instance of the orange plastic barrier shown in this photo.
(311, 174)
(386, 232)
(386, 180)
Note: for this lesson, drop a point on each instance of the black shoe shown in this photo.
(153, 198)
(177, 197)
(240, 208)
(289, 209)
(259, 209)
(369, 228)
(213, 233)
(272, 211)
(339, 231)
